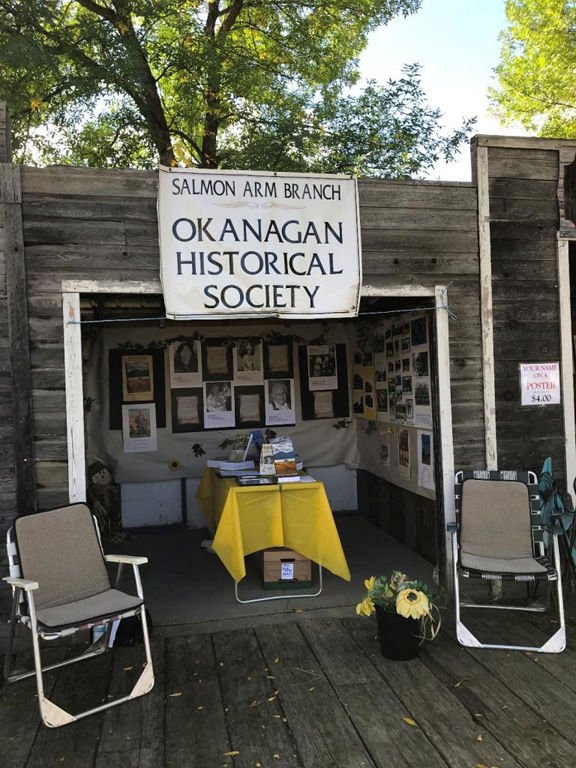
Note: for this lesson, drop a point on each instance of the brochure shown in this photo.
(284, 456)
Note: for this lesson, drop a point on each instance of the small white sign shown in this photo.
(540, 383)
(287, 571)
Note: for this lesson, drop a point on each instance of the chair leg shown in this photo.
(11, 636)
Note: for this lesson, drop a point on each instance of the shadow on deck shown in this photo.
(312, 693)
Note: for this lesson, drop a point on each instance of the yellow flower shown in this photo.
(412, 604)
(369, 583)
(174, 465)
(366, 607)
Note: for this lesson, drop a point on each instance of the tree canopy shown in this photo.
(537, 71)
(262, 84)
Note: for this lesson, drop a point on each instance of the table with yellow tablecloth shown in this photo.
(247, 519)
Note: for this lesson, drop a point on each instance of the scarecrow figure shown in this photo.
(104, 500)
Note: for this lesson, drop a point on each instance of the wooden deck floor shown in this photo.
(314, 693)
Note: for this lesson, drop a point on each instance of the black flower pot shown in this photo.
(399, 637)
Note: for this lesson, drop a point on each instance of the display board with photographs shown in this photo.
(401, 372)
(223, 384)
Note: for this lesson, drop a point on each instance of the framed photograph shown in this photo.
(139, 428)
(216, 362)
(280, 402)
(137, 378)
(249, 403)
(187, 410)
(219, 405)
(248, 362)
(278, 360)
(185, 364)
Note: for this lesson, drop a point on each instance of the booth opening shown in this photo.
(358, 399)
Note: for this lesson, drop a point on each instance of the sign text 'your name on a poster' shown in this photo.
(540, 383)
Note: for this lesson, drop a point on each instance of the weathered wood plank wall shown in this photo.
(101, 225)
(7, 477)
(5, 140)
(524, 222)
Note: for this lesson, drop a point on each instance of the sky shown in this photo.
(456, 42)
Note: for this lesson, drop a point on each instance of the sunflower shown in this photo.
(174, 465)
(412, 604)
(369, 583)
(366, 607)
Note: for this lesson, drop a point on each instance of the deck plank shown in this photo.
(196, 734)
(545, 682)
(503, 714)
(449, 725)
(366, 694)
(78, 687)
(253, 712)
(324, 735)
(133, 733)
(19, 713)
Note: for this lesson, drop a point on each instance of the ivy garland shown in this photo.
(271, 337)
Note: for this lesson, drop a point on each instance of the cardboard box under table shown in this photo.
(254, 518)
(285, 569)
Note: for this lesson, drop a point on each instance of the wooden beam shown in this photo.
(481, 175)
(11, 198)
(74, 398)
(567, 364)
(520, 142)
(5, 140)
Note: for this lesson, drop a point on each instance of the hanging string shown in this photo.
(444, 307)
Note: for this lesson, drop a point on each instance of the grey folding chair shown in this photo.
(498, 535)
(61, 585)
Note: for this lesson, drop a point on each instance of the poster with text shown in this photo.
(137, 378)
(280, 402)
(426, 459)
(404, 453)
(139, 428)
(384, 448)
(219, 410)
(185, 364)
(248, 363)
(322, 373)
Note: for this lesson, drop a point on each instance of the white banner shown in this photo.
(251, 244)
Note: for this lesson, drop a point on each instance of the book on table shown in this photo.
(230, 465)
(284, 456)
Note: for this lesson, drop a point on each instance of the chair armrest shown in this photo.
(25, 584)
(126, 559)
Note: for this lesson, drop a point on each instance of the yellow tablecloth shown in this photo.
(246, 520)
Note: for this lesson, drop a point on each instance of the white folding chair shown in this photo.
(61, 585)
(498, 535)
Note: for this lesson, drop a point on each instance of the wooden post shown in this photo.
(5, 143)
(11, 212)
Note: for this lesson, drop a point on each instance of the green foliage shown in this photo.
(212, 84)
(537, 72)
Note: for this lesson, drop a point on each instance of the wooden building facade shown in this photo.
(497, 243)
